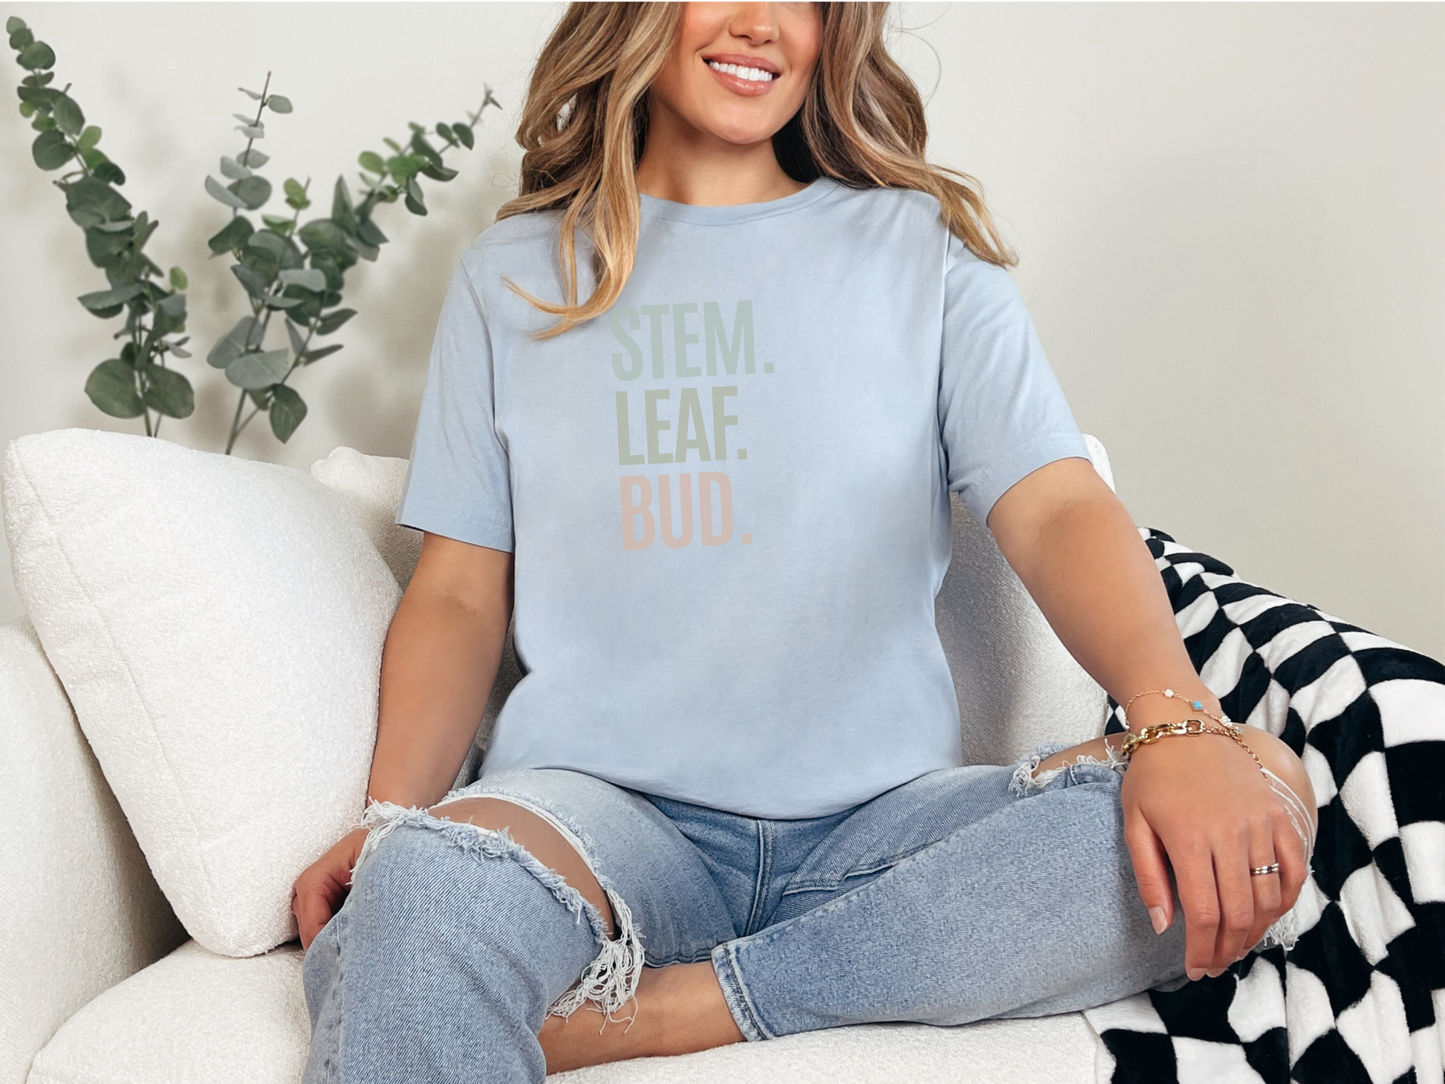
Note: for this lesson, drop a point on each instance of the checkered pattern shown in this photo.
(1358, 995)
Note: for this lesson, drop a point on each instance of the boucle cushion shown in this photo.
(217, 624)
(370, 486)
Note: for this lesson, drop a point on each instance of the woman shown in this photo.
(782, 339)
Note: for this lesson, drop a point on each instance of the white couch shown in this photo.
(101, 984)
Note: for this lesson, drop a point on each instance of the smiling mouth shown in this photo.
(739, 71)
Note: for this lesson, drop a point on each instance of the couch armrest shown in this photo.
(79, 909)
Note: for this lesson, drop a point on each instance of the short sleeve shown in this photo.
(458, 479)
(1002, 414)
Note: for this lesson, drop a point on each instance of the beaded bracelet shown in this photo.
(1197, 705)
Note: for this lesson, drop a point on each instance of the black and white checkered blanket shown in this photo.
(1358, 995)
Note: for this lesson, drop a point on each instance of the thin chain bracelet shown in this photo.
(1197, 705)
(1183, 728)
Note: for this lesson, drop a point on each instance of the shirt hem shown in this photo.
(490, 531)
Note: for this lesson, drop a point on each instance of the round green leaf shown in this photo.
(89, 138)
(101, 301)
(464, 136)
(51, 149)
(14, 23)
(169, 392)
(271, 243)
(287, 410)
(253, 191)
(323, 235)
(259, 370)
(248, 332)
(109, 172)
(173, 305)
(253, 158)
(445, 131)
(233, 169)
(111, 387)
(250, 94)
(35, 56)
(255, 285)
(277, 104)
(295, 194)
(21, 37)
(309, 279)
(178, 278)
(232, 236)
(372, 162)
(68, 117)
(27, 109)
(222, 193)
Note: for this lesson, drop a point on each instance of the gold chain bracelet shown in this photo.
(1183, 728)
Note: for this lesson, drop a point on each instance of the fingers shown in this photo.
(1294, 870)
(1199, 896)
(315, 900)
(1267, 887)
(1151, 872)
(312, 913)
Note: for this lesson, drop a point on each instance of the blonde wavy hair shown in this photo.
(584, 127)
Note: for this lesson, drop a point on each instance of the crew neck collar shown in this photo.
(727, 214)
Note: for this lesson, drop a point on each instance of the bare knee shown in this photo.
(540, 839)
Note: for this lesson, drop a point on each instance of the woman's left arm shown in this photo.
(1202, 803)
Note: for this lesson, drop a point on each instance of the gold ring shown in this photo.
(1260, 871)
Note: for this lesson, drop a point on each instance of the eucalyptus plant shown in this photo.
(298, 269)
(138, 381)
(283, 265)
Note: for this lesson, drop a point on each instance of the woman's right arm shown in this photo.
(438, 664)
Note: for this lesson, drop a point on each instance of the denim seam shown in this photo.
(342, 919)
(765, 862)
(611, 978)
(825, 885)
(735, 993)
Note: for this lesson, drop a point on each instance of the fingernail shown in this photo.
(1195, 974)
(1156, 916)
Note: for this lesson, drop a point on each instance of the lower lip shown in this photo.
(741, 86)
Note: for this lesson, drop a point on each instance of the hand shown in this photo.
(323, 885)
(1202, 803)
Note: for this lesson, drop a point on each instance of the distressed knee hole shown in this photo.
(611, 979)
(1027, 780)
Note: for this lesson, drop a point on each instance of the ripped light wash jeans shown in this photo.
(965, 894)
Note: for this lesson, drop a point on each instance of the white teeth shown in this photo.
(755, 75)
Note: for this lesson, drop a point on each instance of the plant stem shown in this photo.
(234, 431)
(246, 154)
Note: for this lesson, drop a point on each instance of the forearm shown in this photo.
(438, 664)
(1076, 549)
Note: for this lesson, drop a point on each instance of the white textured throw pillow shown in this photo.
(371, 487)
(217, 624)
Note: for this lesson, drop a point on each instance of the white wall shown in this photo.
(1231, 220)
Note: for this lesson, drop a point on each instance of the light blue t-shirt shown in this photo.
(728, 495)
